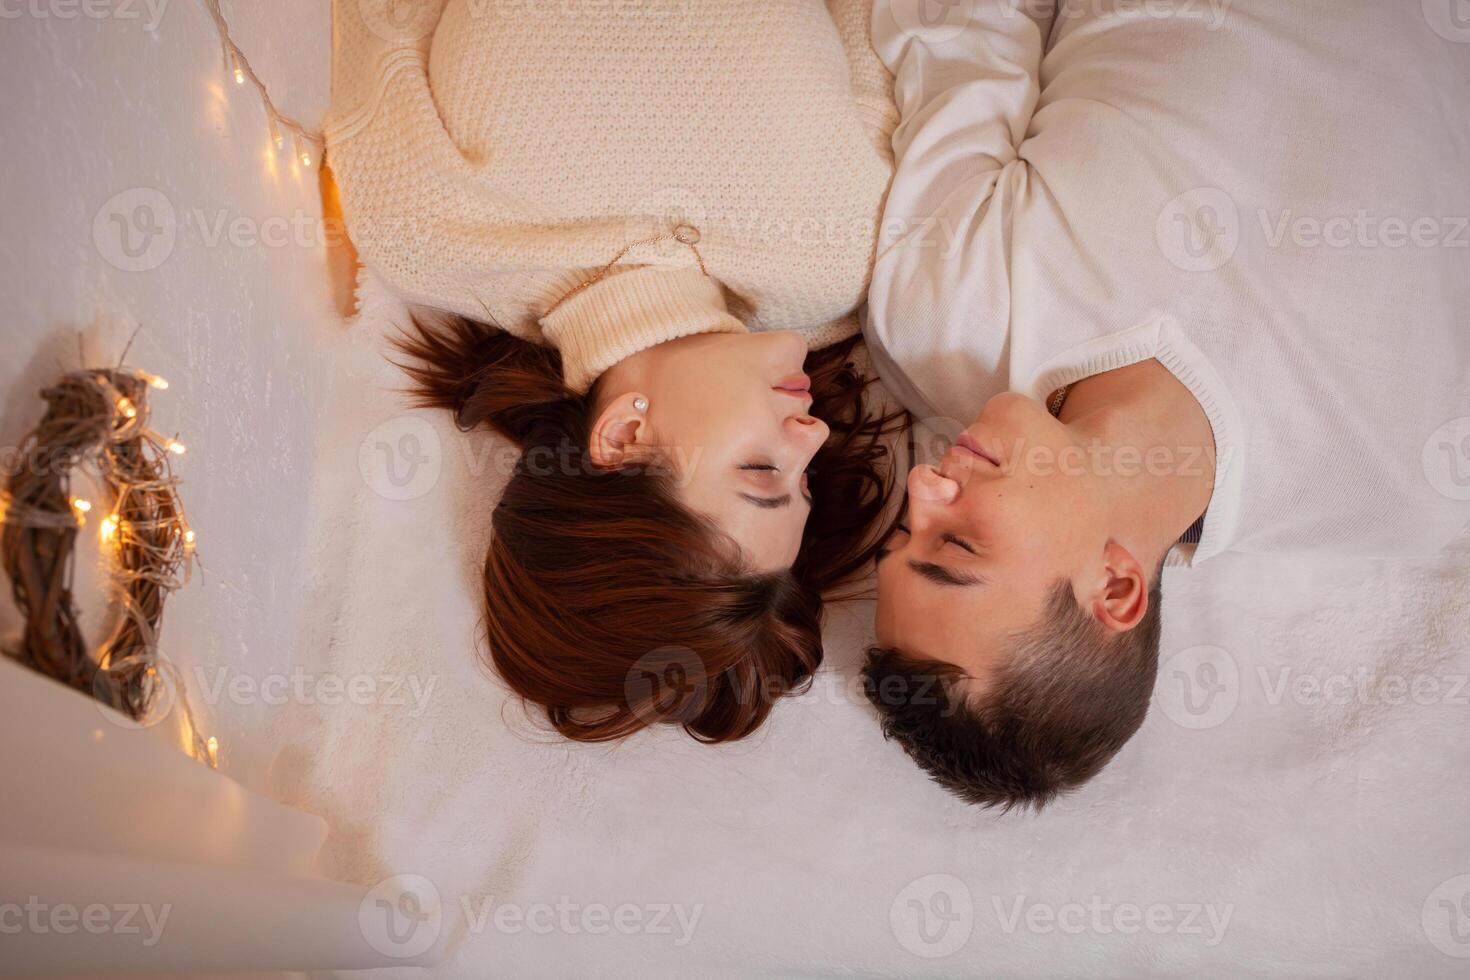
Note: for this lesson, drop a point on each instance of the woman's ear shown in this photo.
(620, 432)
(1122, 601)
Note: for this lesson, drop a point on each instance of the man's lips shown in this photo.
(971, 445)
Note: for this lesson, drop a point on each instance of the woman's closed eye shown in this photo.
(959, 542)
(768, 475)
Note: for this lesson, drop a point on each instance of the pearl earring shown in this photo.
(640, 403)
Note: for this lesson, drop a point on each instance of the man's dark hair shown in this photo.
(1067, 699)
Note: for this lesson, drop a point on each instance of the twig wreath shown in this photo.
(99, 415)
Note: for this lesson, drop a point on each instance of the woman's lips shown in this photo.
(794, 383)
(971, 445)
(798, 385)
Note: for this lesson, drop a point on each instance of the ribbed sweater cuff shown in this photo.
(632, 311)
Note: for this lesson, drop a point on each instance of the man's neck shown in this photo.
(1155, 452)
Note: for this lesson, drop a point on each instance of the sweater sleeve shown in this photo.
(872, 83)
(966, 88)
(417, 211)
(369, 36)
(393, 161)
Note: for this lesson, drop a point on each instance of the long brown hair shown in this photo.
(608, 602)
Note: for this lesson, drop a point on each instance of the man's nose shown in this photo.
(928, 485)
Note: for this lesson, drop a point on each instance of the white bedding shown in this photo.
(1326, 828)
(1315, 834)
(1294, 806)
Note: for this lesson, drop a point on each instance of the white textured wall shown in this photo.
(137, 102)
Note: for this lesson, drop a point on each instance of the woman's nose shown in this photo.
(926, 484)
(811, 430)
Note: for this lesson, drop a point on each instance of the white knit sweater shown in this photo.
(493, 157)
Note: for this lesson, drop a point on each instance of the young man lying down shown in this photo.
(1093, 262)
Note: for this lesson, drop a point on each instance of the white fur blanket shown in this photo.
(1295, 804)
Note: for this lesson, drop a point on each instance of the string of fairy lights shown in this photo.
(98, 419)
(303, 139)
(101, 416)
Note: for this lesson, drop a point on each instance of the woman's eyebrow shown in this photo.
(948, 577)
(768, 503)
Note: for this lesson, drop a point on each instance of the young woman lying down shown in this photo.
(636, 235)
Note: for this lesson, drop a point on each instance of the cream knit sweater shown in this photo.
(495, 155)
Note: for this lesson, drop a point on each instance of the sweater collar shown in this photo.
(630, 311)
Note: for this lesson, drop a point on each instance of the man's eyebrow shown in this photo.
(768, 503)
(948, 577)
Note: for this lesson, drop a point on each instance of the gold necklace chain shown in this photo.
(1056, 400)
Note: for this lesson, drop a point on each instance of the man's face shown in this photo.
(989, 531)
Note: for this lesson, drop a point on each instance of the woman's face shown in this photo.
(729, 413)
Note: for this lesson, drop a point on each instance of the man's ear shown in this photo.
(1121, 600)
(620, 432)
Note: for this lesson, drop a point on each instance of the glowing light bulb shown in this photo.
(81, 505)
(212, 744)
(126, 406)
(154, 381)
(189, 538)
(303, 150)
(176, 447)
(109, 527)
(239, 72)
